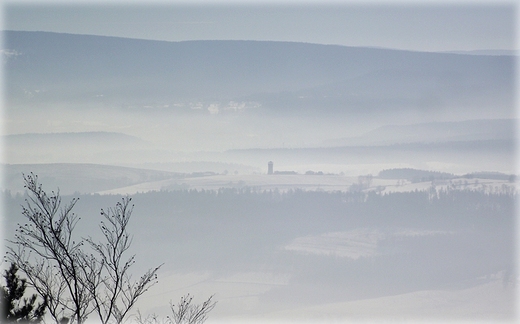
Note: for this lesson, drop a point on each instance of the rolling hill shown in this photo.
(279, 76)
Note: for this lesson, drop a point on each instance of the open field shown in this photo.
(303, 182)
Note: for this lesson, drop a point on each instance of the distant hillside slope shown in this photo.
(49, 67)
(469, 130)
(82, 178)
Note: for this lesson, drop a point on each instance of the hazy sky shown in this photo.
(410, 25)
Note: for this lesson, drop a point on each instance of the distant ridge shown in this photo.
(80, 177)
(483, 145)
(468, 130)
(486, 52)
(278, 76)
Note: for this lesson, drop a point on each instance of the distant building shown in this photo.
(270, 167)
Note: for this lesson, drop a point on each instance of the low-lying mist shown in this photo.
(310, 248)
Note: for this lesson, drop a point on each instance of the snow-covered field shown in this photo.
(304, 182)
(239, 301)
(258, 181)
(489, 302)
(360, 242)
(242, 296)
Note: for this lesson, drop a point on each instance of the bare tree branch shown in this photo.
(76, 281)
(46, 241)
(188, 313)
(119, 292)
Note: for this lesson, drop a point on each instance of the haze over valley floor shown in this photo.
(415, 245)
(393, 193)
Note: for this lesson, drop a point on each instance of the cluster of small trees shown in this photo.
(77, 277)
(364, 182)
(11, 306)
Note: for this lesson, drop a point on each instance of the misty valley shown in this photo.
(291, 181)
(280, 252)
